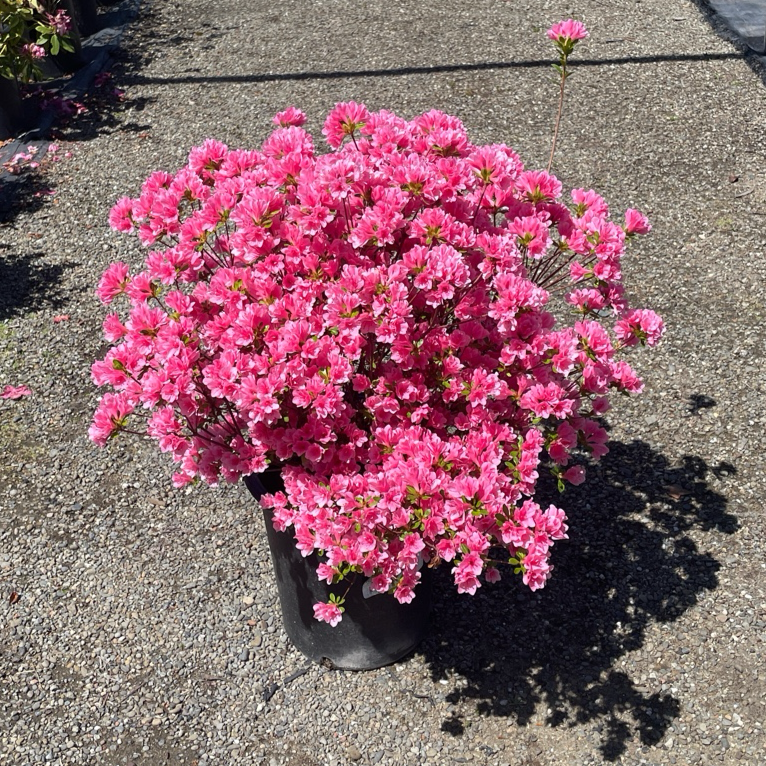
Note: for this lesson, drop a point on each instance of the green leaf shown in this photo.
(55, 46)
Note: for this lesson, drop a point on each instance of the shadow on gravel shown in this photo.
(27, 283)
(27, 192)
(186, 79)
(105, 115)
(630, 562)
(699, 402)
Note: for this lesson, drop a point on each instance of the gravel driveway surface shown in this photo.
(138, 624)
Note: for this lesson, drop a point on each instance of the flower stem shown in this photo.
(562, 68)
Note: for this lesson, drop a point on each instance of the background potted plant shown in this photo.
(29, 31)
(389, 342)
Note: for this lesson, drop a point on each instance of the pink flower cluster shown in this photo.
(377, 321)
(565, 36)
(33, 51)
(29, 33)
(567, 30)
(60, 22)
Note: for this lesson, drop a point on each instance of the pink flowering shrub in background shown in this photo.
(379, 323)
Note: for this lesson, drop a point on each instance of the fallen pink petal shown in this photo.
(61, 318)
(15, 392)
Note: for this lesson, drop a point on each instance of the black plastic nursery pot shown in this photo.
(376, 630)
(85, 14)
(11, 117)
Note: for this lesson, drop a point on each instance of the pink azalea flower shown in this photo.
(329, 613)
(110, 417)
(640, 325)
(33, 51)
(636, 222)
(288, 117)
(567, 30)
(113, 282)
(536, 570)
(121, 215)
(60, 22)
(344, 121)
(575, 475)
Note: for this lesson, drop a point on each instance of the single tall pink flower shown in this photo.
(567, 30)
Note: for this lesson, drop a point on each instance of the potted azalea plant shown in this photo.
(389, 342)
(30, 30)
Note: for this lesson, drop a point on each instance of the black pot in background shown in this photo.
(374, 631)
(11, 117)
(85, 14)
(64, 60)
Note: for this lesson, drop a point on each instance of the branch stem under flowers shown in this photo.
(541, 280)
(564, 277)
(201, 433)
(478, 204)
(541, 265)
(232, 428)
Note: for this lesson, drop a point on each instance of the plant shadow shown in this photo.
(27, 192)
(105, 113)
(28, 283)
(630, 562)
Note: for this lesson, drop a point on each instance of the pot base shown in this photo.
(376, 630)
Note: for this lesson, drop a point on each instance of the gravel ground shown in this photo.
(144, 627)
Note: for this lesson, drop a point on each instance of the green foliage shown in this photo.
(23, 25)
